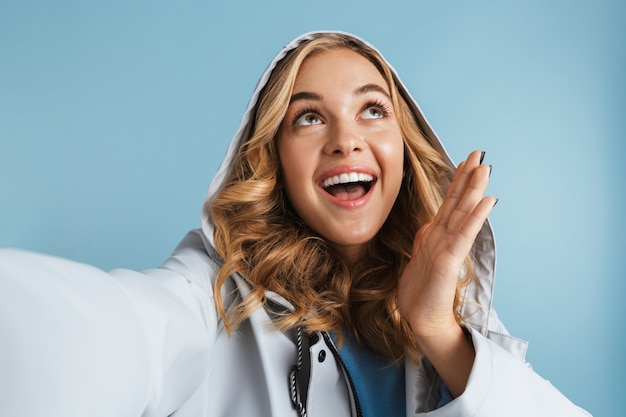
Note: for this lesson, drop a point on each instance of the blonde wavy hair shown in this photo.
(259, 235)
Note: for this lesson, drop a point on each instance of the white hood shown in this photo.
(480, 292)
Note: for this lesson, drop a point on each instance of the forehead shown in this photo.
(335, 68)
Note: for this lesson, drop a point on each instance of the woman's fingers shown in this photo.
(472, 194)
(469, 229)
(455, 192)
(465, 207)
(466, 191)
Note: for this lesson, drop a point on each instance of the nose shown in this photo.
(343, 139)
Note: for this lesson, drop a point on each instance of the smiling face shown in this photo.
(341, 150)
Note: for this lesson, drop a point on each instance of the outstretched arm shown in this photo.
(77, 341)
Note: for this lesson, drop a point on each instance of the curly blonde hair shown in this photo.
(261, 237)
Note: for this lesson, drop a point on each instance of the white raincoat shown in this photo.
(77, 341)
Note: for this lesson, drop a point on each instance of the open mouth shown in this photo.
(349, 186)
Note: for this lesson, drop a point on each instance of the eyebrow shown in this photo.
(364, 89)
(305, 95)
(369, 88)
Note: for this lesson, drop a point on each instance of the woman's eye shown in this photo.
(373, 112)
(308, 119)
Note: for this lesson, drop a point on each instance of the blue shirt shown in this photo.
(379, 383)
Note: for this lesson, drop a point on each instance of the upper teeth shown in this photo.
(347, 178)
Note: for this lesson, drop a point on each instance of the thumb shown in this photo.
(417, 241)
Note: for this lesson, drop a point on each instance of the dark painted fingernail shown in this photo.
(495, 202)
(482, 156)
(490, 169)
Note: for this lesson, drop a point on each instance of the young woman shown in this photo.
(344, 268)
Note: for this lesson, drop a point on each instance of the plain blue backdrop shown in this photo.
(114, 116)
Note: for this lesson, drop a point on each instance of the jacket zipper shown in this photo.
(333, 349)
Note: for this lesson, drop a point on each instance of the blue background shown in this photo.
(114, 116)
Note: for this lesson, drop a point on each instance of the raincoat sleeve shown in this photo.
(77, 341)
(501, 383)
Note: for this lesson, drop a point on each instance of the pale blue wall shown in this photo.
(114, 116)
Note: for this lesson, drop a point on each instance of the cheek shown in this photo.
(285, 157)
(392, 152)
(294, 167)
(288, 158)
(395, 169)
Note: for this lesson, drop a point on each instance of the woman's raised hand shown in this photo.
(427, 286)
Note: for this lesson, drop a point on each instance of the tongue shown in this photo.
(347, 191)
